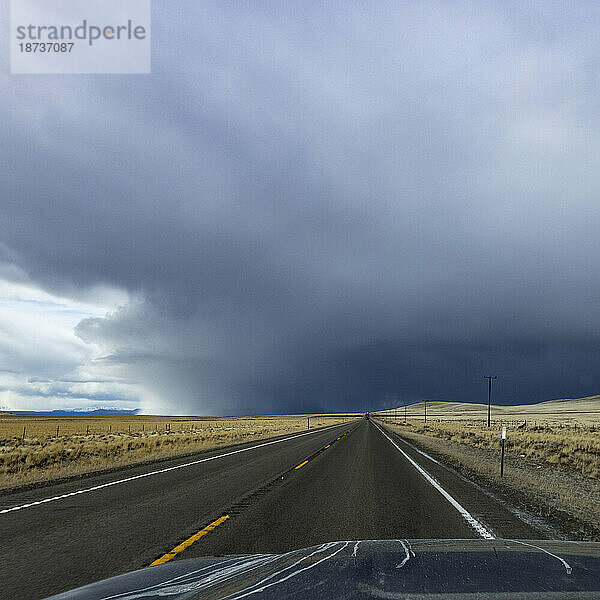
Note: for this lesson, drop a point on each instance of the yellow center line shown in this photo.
(194, 538)
(169, 555)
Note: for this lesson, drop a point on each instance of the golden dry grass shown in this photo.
(86, 444)
(574, 449)
(49, 426)
(564, 433)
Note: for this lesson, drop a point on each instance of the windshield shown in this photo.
(292, 277)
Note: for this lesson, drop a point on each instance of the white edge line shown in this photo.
(437, 462)
(470, 519)
(514, 511)
(157, 472)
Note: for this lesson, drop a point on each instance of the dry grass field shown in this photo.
(570, 448)
(565, 433)
(38, 447)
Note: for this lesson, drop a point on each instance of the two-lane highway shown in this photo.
(364, 488)
(350, 482)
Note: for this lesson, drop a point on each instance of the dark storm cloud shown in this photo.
(323, 208)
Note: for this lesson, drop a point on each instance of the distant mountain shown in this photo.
(96, 411)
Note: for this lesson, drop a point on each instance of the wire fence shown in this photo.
(27, 427)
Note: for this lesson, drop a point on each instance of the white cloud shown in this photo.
(44, 364)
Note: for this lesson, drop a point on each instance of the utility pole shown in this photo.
(405, 412)
(489, 378)
(425, 402)
(502, 455)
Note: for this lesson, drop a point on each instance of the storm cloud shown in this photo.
(319, 208)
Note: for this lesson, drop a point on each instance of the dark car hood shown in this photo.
(415, 569)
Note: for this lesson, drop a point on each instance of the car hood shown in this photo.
(415, 569)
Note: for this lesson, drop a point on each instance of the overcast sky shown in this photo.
(308, 207)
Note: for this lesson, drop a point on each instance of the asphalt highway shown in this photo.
(348, 482)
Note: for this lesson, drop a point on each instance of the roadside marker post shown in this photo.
(502, 455)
